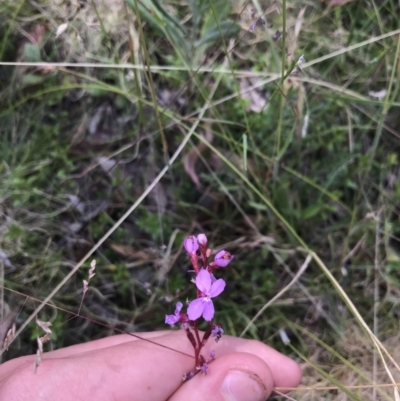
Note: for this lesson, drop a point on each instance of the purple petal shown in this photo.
(217, 287)
(178, 308)
(208, 312)
(195, 308)
(203, 281)
(171, 319)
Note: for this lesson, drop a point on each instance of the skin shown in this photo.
(123, 368)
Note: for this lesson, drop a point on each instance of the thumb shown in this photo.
(232, 377)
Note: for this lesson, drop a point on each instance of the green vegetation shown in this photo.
(193, 120)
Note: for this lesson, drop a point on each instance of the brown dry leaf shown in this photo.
(33, 36)
(39, 353)
(190, 160)
(45, 338)
(85, 286)
(292, 43)
(36, 33)
(334, 3)
(80, 132)
(45, 326)
(9, 337)
(189, 163)
(257, 101)
(92, 268)
(5, 327)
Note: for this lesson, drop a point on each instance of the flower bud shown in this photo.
(202, 239)
(191, 244)
(223, 258)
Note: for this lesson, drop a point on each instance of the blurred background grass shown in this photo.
(283, 157)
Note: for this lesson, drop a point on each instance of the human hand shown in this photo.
(123, 367)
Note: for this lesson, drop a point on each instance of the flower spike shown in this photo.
(208, 287)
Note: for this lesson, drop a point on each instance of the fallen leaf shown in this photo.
(190, 160)
(256, 100)
(378, 95)
(6, 330)
(61, 29)
(92, 268)
(45, 326)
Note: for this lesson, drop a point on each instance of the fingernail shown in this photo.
(243, 386)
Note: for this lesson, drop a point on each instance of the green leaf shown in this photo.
(227, 28)
(32, 79)
(161, 20)
(312, 211)
(258, 206)
(31, 53)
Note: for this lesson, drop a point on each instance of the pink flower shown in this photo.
(191, 245)
(204, 306)
(223, 258)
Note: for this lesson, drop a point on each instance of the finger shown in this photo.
(285, 371)
(134, 370)
(90, 346)
(137, 370)
(232, 377)
(105, 342)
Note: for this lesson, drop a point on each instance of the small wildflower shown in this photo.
(203, 368)
(217, 332)
(203, 306)
(172, 319)
(212, 354)
(191, 245)
(187, 376)
(202, 239)
(223, 258)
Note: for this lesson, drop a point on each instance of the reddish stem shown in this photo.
(195, 263)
